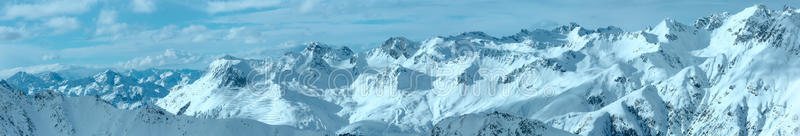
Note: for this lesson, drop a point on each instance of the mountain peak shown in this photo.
(316, 47)
(753, 12)
(229, 57)
(22, 74)
(392, 40)
(230, 71)
(609, 30)
(48, 76)
(317, 50)
(759, 24)
(669, 24)
(667, 29)
(788, 9)
(107, 76)
(757, 7)
(52, 76)
(668, 21)
(346, 50)
(397, 46)
(108, 72)
(711, 22)
(566, 28)
(472, 35)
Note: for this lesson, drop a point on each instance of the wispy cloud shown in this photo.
(307, 6)
(12, 55)
(244, 34)
(11, 33)
(40, 9)
(143, 6)
(107, 24)
(69, 71)
(169, 59)
(236, 5)
(62, 24)
(199, 32)
(50, 57)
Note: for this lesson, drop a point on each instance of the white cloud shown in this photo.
(107, 24)
(177, 35)
(169, 59)
(15, 55)
(307, 6)
(70, 71)
(165, 33)
(107, 17)
(62, 24)
(173, 34)
(244, 34)
(50, 57)
(199, 31)
(271, 51)
(11, 33)
(194, 29)
(46, 8)
(236, 5)
(143, 6)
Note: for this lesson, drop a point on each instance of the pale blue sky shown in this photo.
(189, 33)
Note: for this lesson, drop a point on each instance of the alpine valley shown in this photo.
(723, 74)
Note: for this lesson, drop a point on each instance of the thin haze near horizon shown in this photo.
(137, 34)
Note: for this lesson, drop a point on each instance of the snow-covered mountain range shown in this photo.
(126, 90)
(724, 74)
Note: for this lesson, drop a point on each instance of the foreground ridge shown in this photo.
(50, 113)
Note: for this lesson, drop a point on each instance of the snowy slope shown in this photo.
(49, 113)
(494, 124)
(724, 74)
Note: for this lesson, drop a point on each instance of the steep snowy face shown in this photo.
(494, 124)
(125, 91)
(641, 112)
(14, 121)
(711, 22)
(49, 113)
(752, 82)
(399, 47)
(322, 58)
(743, 86)
(755, 27)
(242, 88)
(725, 74)
(229, 71)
